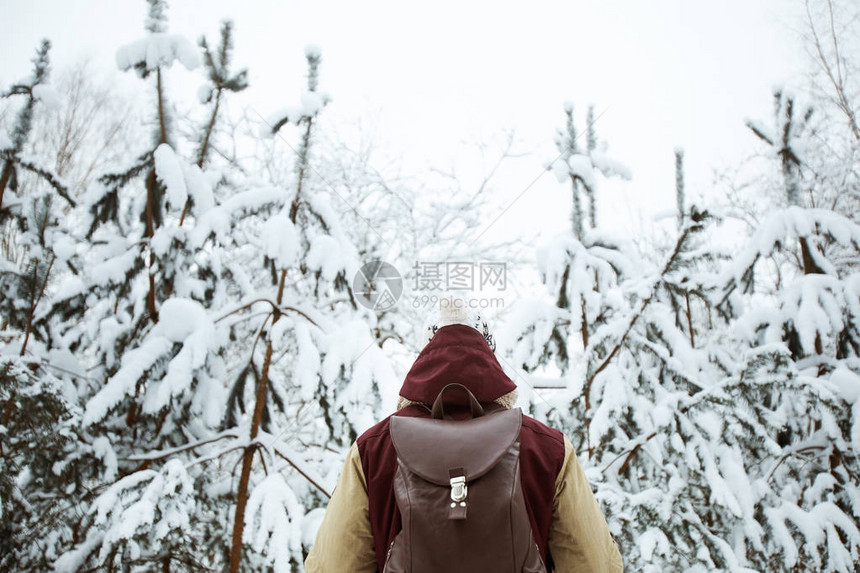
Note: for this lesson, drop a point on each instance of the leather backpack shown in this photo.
(457, 486)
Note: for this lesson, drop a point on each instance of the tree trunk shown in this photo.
(162, 120)
(303, 163)
(690, 321)
(201, 159)
(150, 232)
(248, 455)
(809, 266)
(4, 179)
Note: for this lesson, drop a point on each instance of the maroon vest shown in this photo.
(541, 458)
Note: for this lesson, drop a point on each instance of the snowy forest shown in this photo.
(185, 360)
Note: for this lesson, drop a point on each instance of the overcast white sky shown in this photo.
(666, 72)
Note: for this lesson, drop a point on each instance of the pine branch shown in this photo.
(691, 228)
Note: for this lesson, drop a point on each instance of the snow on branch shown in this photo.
(31, 164)
(310, 104)
(273, 522)
(155, 51)
(184, 322)
(182, 180)
(218, 221)
(782, 228)
(145, 506)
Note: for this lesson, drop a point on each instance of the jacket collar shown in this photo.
(456, 353)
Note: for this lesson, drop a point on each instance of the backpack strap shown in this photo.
(438, 411)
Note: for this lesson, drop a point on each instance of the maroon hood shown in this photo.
(456, 353)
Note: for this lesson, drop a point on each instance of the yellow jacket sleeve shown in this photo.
(344, 542)
(579, 539)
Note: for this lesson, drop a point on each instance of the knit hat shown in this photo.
(453, 308)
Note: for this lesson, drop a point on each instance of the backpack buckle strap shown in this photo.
(459, 492)
(459, 489)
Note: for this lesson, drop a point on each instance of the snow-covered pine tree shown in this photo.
(582, 270)
(733, 450)
(283, 244)
(34, 89)
(580, 167)
(39, 413)
(802, 336)
(272, 372)
(784, 139)
(155, 384)
(166, 414)
(221, 82)
(635, 395)
(39, 432)
(301, 367)
(28, 215)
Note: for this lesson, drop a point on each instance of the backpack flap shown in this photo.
(454, 453)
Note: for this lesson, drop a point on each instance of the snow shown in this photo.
(786, 226)
(609, 166)
(307, 363)
(350, 350)
(135, 363)
(73, 561)
(611, 394)
(162, 240)
(169, 171)
(145, 503)
(218, 220)
(181, 318)
(158, 50)
(310, 104)
(5, 141)
(847, 386)
(327, 256)
(560, 169)
(653, 540)
(273, 522)
(114, 270)
(64, 246)
(103, 450)
(280, 240)
(69, 287)
(580, 167)
(186, 322)
(199, 188)
(310, 525)
(204, 93)
(47, 95)
(63, 358)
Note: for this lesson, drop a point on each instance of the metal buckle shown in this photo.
(458, 488)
